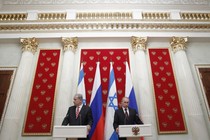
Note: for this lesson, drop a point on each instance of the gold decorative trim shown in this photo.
(156, 15)
(70, 43)
(81, 26)
(195, 16)
(103, 15)
(13, 17)
(178, 43)
(160, 16)
(105, 21)
(29, 44)
(138, 43)
(51, 16)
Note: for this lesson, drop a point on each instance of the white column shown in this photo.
(147, 112)
(64, 96)
(195, 120)
(13, 121)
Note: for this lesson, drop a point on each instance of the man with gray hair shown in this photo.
(79, 114)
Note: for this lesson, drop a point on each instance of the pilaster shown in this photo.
(20, 93)
(65, 94)
(143, 88)
(190, 101)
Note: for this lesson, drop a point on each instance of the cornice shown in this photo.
(91, 16)
(125, 21)
(105, 26)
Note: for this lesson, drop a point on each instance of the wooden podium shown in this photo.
(73, 132)
(135, 131)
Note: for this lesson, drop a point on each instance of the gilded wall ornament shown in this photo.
(178, 43)
(70, 43)
(138, 43)
(29, 44)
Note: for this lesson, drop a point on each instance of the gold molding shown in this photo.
(138, 43)
(178, 43)
(103, 15)
(156, 15)
(81, 26)
(29, 44)
(70, 43)
(105, 21)
(117, 16)
(51, 16)
(195, 16)
(13, 17)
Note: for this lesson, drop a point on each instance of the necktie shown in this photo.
(126, 113)
(77, 112)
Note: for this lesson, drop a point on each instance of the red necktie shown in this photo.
(77, 112)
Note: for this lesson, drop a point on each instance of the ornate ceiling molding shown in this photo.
(117, 16)
(105, 21)
(106, 26)
(13, 16)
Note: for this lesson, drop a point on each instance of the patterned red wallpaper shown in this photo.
(168, 108)
(39, 116)
(89, 57)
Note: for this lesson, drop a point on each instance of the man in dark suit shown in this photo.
(125, 116)
(79, 114)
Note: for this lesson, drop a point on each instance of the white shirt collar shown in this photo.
(80, 107)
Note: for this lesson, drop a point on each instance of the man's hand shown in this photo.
(88, 129)
(117, 130)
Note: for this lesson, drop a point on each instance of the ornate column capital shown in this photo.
(29, 44)
(179, 43)
(138, 43)
(70, 43)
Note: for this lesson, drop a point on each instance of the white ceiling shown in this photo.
(55, 2)
(20, 5)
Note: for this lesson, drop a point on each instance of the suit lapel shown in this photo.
(82, 110)
(74, 111)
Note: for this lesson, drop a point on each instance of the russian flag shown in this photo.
(97, 130)
(112, 105)
(81, 84)
(129, 90)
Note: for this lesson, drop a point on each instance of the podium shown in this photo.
(73, 132)
(135, 131)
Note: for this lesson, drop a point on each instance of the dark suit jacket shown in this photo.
(120, 119)
(85, 116)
